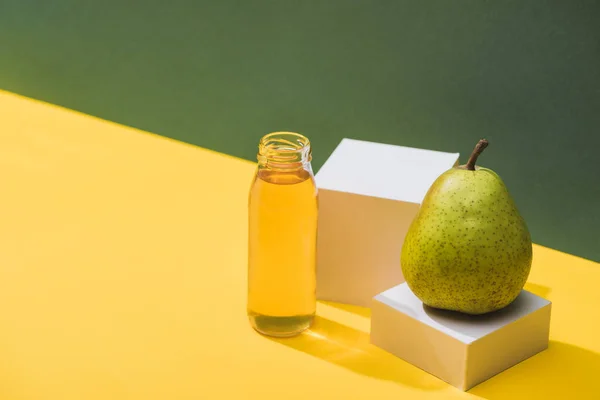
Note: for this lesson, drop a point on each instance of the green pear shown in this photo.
(468, 248)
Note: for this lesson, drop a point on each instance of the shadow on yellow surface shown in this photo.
(563, 371)
(362, 311)
(542, 291)
(350, 348)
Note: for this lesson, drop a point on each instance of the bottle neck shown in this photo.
(284, 151)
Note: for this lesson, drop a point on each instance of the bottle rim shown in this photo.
(284, 150)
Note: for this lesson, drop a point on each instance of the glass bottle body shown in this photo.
(283, 212)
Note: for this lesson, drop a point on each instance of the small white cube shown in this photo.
(368, 195)
(463, 350)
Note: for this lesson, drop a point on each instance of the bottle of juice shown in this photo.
(282, 237)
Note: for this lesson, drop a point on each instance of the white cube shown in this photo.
(368, 195)
(463, 350)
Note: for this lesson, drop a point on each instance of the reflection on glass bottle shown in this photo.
(282, 237)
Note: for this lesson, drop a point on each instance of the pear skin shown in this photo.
(468, 248)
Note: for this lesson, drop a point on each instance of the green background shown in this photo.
(431, 74)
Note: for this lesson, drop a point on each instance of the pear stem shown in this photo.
(481, 145)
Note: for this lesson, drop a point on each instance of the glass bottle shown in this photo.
(282, 237)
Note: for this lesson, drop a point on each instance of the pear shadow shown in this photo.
(562, 371)
(477, 326)
(470, 325)
(358, 310)
(439, 314)
(539, 290)
(349, 348)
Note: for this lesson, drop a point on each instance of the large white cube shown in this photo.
(368, 195)
(463, 350)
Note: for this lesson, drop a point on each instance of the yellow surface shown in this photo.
(123, 276)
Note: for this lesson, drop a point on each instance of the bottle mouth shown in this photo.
(284, 150)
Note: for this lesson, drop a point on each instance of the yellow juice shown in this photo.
(282, 251)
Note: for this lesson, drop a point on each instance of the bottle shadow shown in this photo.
(350, 348)
(562, 371)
